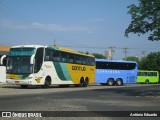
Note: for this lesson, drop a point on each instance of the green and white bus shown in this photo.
(146, 76)
(49, 65)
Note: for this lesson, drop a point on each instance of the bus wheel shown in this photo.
(82, 82)
(85, 83)
(47, 82)
(147, 82)
(110, 82)
(119, 82)
(24, 86)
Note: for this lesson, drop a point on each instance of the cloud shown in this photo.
(48, 27)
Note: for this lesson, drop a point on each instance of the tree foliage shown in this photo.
(151, 62)
(145, 18)
(100, 56)
(132, 58)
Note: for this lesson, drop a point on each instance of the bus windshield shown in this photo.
(19, 65)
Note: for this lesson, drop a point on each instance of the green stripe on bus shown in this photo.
(62, 71)
(65, 71)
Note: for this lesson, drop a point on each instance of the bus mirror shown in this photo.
(32, 59)
(2, 59)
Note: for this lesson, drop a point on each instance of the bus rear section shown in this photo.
(115, 72)
(145, 76)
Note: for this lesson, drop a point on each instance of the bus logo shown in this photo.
(78, 68)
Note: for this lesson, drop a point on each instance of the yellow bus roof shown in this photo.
(70, 50)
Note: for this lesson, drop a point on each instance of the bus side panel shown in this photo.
(62, 71)
(78, 71)
(154, 79)
(141, 79)
(127, 76)
(131, 76)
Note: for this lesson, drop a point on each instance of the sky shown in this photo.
(82, 25)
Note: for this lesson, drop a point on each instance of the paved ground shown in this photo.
(93, 98)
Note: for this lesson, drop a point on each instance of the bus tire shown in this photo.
(47, 82)
(81, 82)
(110, 82)
(119, 82)
(86, 82)
(147, 81)
(24, 86)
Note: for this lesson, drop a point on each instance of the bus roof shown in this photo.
(52, 47)
(122, 61)
(69, 50)
(28, 46)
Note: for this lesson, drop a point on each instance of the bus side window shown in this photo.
(48, 55)
(70, 58)
(154, 73)
(64, 57)
(78, 59)
(56, 56)
(139, 74)
(144, 74)
(84, 60)
(149, 73)
(92, 61)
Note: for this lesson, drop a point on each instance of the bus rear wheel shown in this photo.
(86, 82)
(119, 82)
(83, 83)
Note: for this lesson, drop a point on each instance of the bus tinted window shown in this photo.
(84, 60)
(115, 65)
(91, 61)
(56, 56)
(78, 59)
(48, 55)
(70, 58)
(60, 56)
(63, 57)
(144, 74)
(152, 74)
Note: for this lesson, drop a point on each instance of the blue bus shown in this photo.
(116, 72)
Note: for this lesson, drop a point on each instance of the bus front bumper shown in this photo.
(19, 82)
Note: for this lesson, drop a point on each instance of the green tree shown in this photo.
(151, 62)
(100, 56)
(132, 58)
(145, 18)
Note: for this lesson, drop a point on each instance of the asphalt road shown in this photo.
(93, 99)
